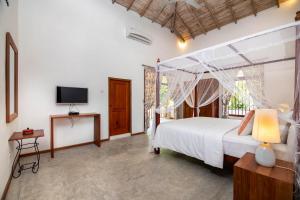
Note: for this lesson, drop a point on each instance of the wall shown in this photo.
(81, 43)
(8, 23)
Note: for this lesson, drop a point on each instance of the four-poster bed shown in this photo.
(210, 139)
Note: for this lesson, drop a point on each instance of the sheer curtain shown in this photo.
(149, 94)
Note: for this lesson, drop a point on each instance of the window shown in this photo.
(240, 102)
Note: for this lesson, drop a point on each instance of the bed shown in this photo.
(208, 139)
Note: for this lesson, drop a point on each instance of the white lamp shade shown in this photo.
(266, 126)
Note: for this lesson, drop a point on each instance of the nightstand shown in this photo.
(252, 181)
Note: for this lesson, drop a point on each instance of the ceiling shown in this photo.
(188, 19)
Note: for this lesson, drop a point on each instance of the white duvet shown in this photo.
(199, 137)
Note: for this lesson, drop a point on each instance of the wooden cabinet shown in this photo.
(255, 182)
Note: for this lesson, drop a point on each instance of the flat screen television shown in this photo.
(71, 95)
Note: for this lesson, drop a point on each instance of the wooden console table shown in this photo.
(97, 134)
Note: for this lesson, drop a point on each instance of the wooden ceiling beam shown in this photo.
(254, 10)
(186, 26)
(174, 18)
(157, 16)
(277, 3)
(178, 35)
(130, 5)
(211, 13)
(167, 20)
(195, 16)
(229, 6)
(146, 8)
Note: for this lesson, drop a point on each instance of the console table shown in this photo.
(97, 134)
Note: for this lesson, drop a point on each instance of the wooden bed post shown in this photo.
(297, 71)
(196, 99)
(157, 104)
(297, 96)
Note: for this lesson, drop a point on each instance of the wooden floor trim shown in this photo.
(139, 133)
(62, 148)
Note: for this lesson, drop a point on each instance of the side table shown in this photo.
(19, 137)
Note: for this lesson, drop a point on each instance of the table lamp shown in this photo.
(266, 130)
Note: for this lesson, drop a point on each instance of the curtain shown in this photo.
(207, 92)
(149, 94)
(254, 77)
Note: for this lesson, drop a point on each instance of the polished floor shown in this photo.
(121, 170)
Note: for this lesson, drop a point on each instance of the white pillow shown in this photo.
(292, 143)
(284, 131)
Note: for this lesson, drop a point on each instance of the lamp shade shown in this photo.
(266, 127)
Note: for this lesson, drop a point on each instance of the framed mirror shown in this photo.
(11, 79)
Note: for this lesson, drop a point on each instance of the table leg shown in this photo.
(52, 138)
(36, 165)
(16, 162)
(97, 135)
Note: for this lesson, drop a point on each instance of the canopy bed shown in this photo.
(209, 139)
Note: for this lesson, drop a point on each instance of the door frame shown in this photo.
(130, 103)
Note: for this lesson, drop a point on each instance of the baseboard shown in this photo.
(139, 133)
(62, 148)
(8, 182)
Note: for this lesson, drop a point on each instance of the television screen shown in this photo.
(71, 95)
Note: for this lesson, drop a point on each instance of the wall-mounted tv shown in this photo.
(71, 95)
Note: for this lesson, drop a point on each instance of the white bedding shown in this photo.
(199, 137)
(236, 146)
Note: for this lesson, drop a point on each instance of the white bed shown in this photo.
(208, 139)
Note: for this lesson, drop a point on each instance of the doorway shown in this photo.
(119, 101)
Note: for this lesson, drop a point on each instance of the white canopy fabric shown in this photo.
(246, 56)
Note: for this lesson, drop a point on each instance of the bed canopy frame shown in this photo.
(224, 62)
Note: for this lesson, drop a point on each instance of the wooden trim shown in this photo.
(10, 43)
(130, 102)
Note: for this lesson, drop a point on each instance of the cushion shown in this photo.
(284, 130)
(247, 123)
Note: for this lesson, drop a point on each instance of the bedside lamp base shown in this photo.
(264, 155)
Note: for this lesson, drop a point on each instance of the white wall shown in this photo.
(8, 23)
(81, 43)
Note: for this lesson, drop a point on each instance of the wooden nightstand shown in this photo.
(255, 182)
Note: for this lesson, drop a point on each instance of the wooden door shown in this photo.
(119, 99)
(187, 110)
(211, 110)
